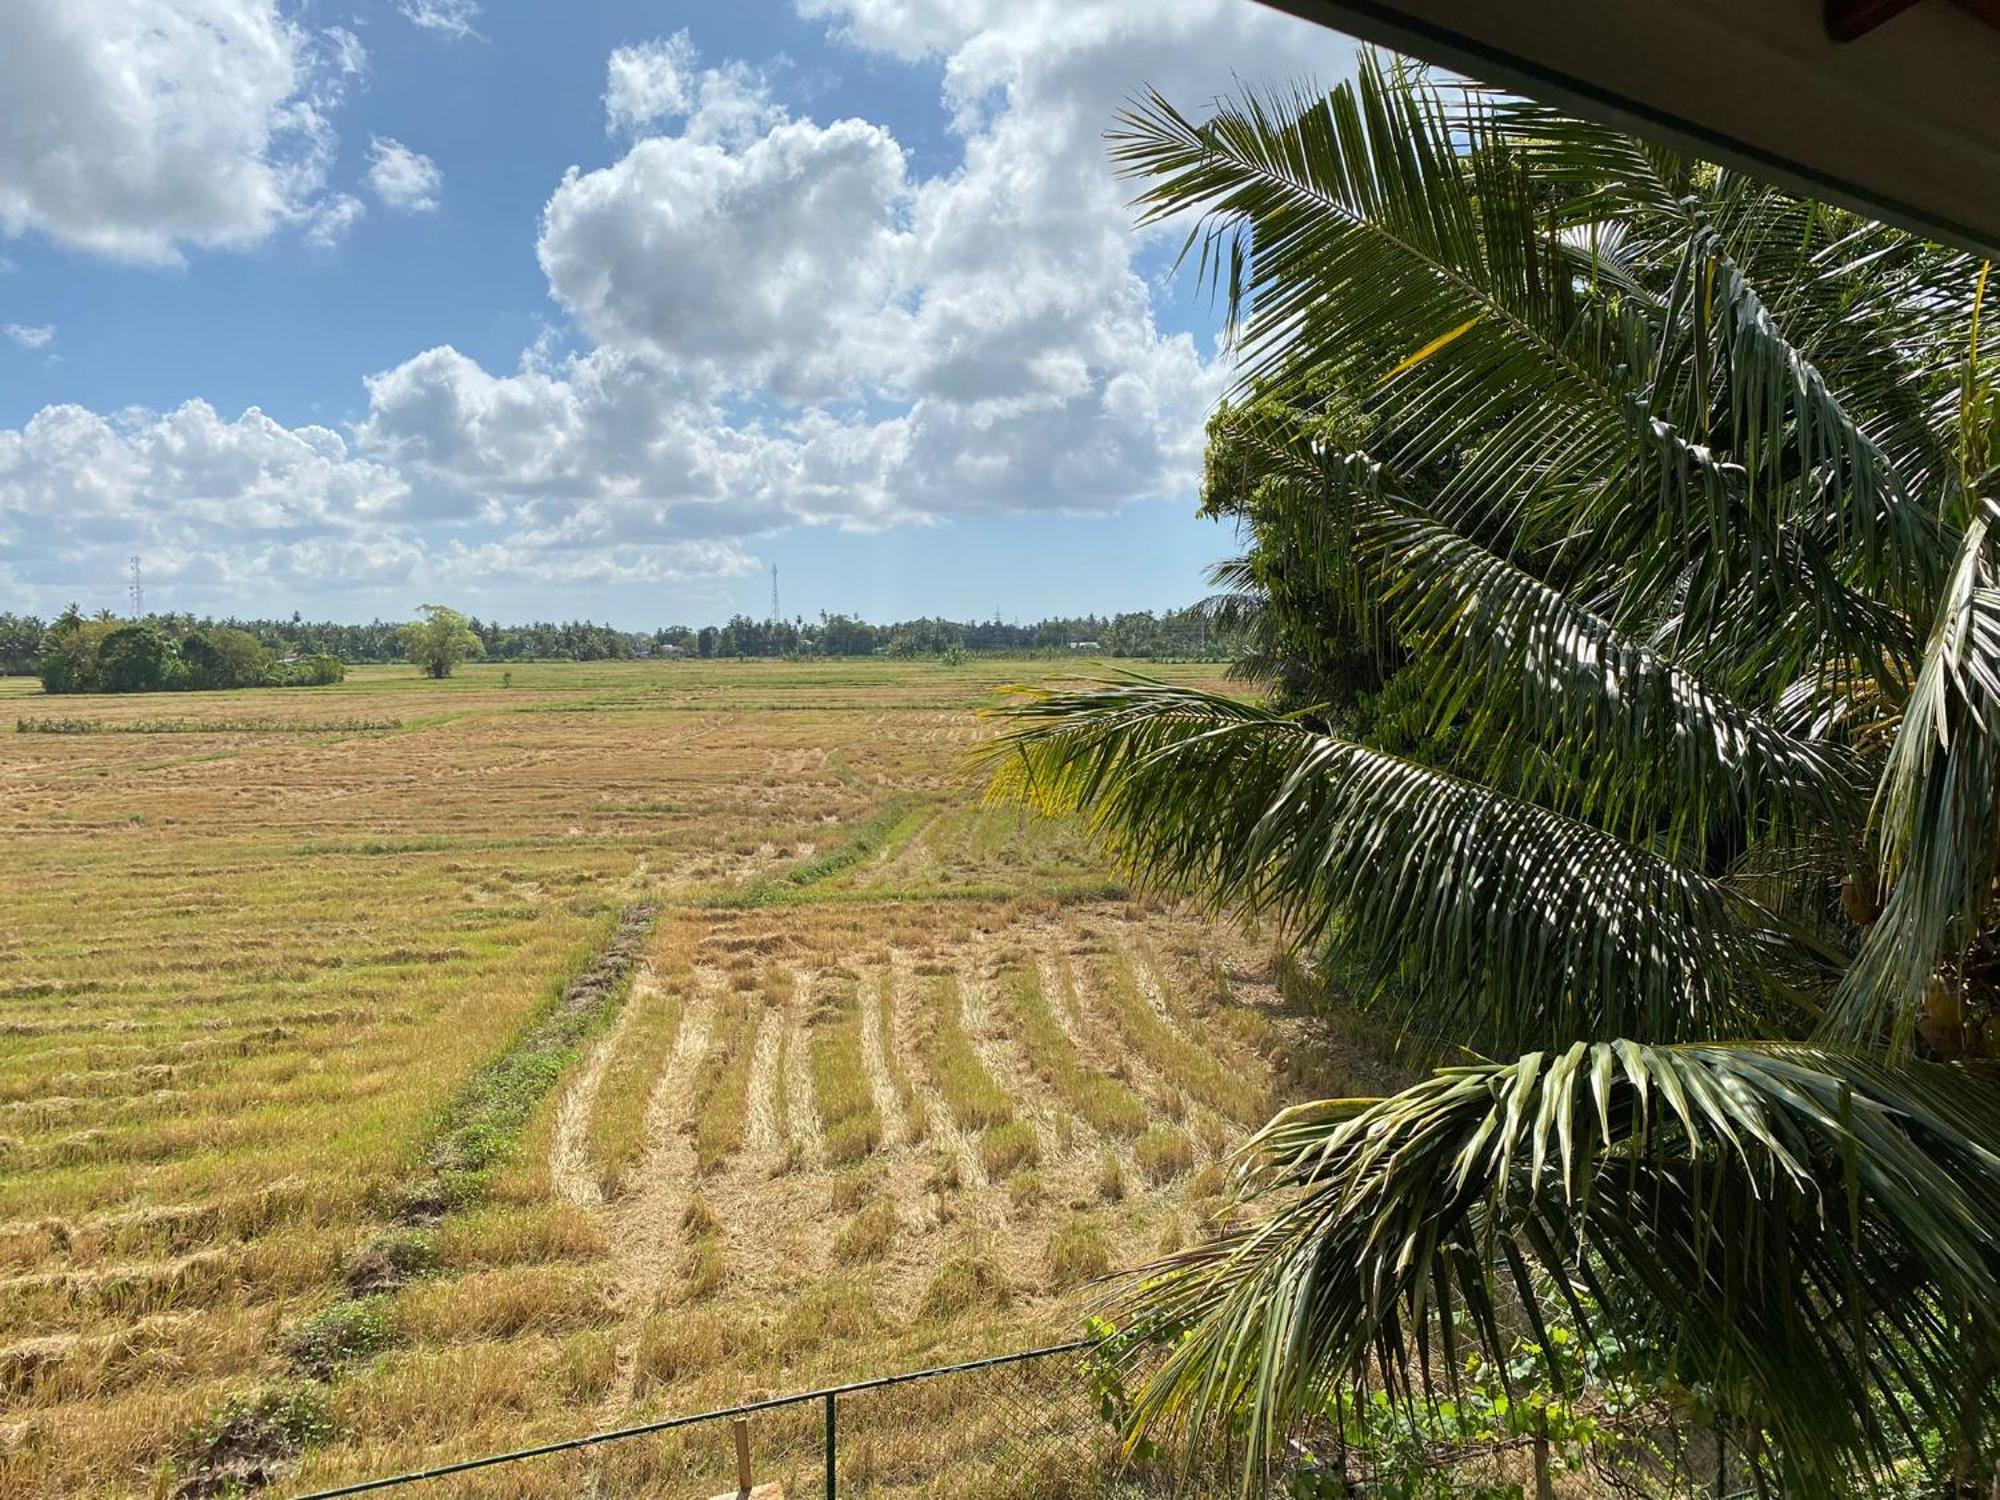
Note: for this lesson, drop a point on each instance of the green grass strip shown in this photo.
(1104, 1103)
(973, 1095)
(848, 1117)
(489, 1112)
(880, 831)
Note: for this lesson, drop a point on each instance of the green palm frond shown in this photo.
(1809, 1230)
(1600, 725)
(1604, 175)
(1592, 722)
(1939, 812)
(1525, 924)
(1806, 446)
(1240, 604)
(1365, 224)
(1381, 233)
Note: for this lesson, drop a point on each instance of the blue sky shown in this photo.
(602, 309)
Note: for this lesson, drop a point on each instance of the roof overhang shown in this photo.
(1900, 121)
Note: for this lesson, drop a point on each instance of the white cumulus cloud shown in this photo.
(329, 223)
(402, 178)
(771, 265)
(773, 320)
(31, 335)
(205, 498)
(137, 130)
(651, 81)
(790, 327)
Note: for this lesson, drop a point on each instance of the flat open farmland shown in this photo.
(436, 1068)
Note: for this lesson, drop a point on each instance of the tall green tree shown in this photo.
(1624, 565)
(21, 642)
(222, 656)
(136, 658)
(439, 640)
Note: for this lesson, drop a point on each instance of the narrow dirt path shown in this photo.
(646, 1232)
(572, 1176)
(895, 1128)
(764, 1130)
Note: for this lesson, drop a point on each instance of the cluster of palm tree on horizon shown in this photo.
(1626, 622)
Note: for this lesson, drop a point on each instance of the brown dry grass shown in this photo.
(244, 970)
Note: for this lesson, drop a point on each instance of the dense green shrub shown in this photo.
(224, 657)
(69, 662)
(307, 671)
(112, 656)
(135, 659)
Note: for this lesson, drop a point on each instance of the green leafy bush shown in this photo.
(342, 1333)
(110, 656)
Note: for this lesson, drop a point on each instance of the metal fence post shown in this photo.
(832, 1445)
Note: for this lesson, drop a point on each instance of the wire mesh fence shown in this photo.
(1018, 1425)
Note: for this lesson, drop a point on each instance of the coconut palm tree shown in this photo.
(1661, 502)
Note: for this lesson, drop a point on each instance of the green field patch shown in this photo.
(848, 1117)
(971, 1092)
(1103, 1103)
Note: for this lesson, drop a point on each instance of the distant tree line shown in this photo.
(26, 641)
(1180, 633)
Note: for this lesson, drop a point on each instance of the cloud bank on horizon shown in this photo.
(762, 320)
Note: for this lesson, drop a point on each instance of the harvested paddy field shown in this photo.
(402, 1071)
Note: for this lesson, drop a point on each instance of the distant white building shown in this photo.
(1085, 646)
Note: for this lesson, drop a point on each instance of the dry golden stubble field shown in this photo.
(895, 1076)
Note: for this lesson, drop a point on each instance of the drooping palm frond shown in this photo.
(1526, 925)
(1807, 1229)
(1668, 460)
(1239, 599)
(1676, 446)
(1582, 717)
(1800, 442)
(1591, 722)
(1240, 609)
(1861, 306)
(1314, 204)
(1939, 812)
